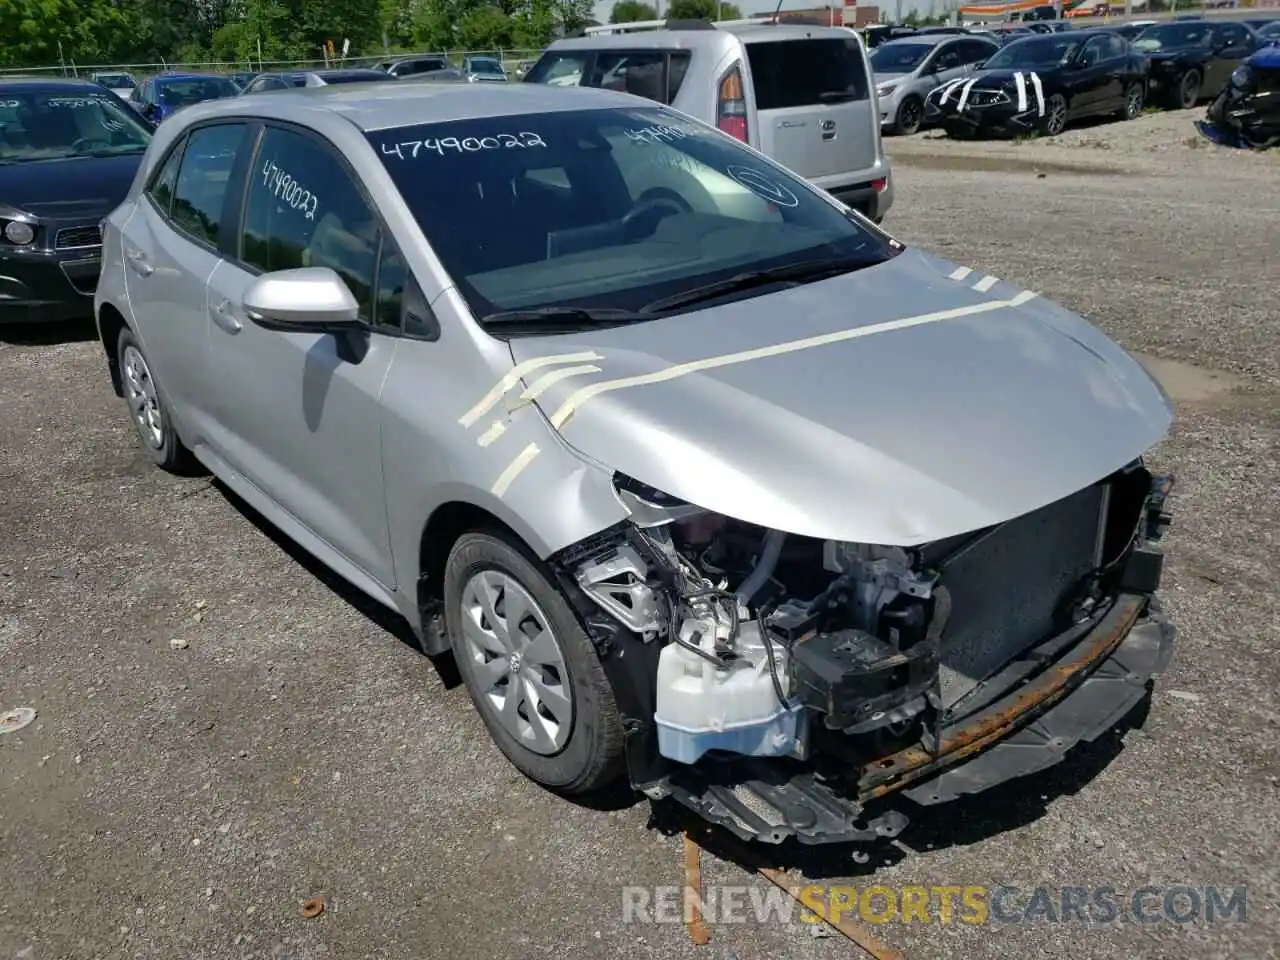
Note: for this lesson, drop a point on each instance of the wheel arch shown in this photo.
(110, 323)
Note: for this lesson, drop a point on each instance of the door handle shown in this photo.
(223, 317)
(138, 262)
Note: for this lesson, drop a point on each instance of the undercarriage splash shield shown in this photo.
(770, 801)
(1100, 702)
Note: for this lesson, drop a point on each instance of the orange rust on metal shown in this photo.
(914, 762)
(693, 893)
(859, 935)
(313, 908)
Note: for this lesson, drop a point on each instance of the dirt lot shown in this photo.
(182, 802)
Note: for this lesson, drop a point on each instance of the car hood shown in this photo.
(882, 78)
(895, 405)
(85, 187)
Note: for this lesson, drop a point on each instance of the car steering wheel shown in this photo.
(657, 207)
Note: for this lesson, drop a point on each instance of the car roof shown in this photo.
(381, 106)
(32, 84)
(923, 40)
(691, 38)
(161, 77)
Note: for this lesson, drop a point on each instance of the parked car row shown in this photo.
(972, 85)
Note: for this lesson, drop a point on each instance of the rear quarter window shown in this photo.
(801, 73)
(653, 74)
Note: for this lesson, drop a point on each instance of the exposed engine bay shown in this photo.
(819, 659)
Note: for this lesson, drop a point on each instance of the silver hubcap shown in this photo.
(519, 669)
(1135, 102)
(144, 402)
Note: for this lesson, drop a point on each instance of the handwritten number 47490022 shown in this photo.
(411, 149)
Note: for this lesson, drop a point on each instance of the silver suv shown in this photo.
(801, 95)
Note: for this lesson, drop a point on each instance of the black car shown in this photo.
(1191, 60)
(1041, 83)
(69, 150)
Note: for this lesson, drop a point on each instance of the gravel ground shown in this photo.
(183, 802)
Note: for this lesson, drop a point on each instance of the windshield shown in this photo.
(116, 81)
(1272, 29)
(899, 56)
(44, 125)
(183, 93)
(1038, 52)
(610, 209)
(1175, 35)
(485, 65)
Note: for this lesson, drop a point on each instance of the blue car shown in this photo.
(159, 96)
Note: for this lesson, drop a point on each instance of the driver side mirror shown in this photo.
(302, 300)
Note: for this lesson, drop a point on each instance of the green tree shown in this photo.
(31, 31)
(629, 11)
(484, 28)
(702, 10)
(571, 15)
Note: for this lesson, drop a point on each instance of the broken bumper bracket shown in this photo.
(1099, 702)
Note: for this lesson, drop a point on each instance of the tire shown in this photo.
(149, 409)
(1135, 99)
(582, 751)
(1187, 93)
(909, 117)
(958, 131)
(1055, 116)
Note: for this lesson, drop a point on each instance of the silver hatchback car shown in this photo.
(908, 70)
(700, 476)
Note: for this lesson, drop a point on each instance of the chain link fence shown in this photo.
(511, 59)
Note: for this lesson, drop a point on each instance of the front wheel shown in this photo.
(1055, 116)
(529, 666)
(909, 117)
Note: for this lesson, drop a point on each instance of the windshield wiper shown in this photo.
(572, 318)
(792, 273)
(837, 96)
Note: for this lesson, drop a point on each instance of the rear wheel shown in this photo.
(529, 666)
(1187, 93)
(149, 410)
(909, 117)
(1135, 98)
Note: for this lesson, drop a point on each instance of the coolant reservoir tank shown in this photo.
(701, 707)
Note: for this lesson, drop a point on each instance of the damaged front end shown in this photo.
(1246, 114)
(774, 683)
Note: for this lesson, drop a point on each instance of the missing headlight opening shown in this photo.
(787, 678)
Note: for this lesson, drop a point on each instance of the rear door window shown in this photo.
(653, 74)
(201, 190)
(801, 73)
